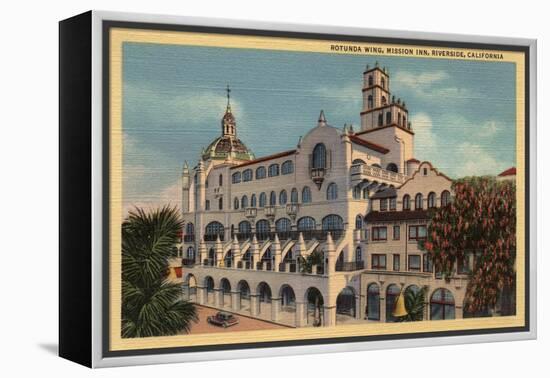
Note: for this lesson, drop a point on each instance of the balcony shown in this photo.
(250, 212)
(269, 211)
(213, 237)
(318, 176)
(350, 266)
(369, 173)
(292, 210)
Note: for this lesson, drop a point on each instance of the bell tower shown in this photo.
(379, 107)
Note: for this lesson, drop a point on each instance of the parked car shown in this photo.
(223, 319)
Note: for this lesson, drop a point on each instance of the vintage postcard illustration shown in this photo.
(270, 189)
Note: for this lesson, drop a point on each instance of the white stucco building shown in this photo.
(356, 198)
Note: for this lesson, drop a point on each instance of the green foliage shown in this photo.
(415, 301)
(306, 264)
(481, 220)
(151, 306)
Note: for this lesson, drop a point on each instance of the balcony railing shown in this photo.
(187, 262)
(241, 236)
(188, 238)
(269, 211)
(250, 212)
(375, 172)
(351, 266)
(292, 210)
(213, 237)
(208, 262)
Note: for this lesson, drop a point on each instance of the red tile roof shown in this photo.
(366, 143)
(508, 172)
(265, 158)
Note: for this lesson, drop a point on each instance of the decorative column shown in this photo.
(276, 251)
(185, 291)
(255, 252)
(331, 256)
(202, 253)
(235, 300)
(218, 298)
(201, 295)
(236, 251)
(218, 247)
(253, 304)
(382, 302)
(300, 314)
(275, 309)
(329, 315)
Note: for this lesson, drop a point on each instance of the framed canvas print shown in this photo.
(234, 189)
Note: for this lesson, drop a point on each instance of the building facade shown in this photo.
(323, 234)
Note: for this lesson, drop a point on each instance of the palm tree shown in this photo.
(414, 304)
(151, 305)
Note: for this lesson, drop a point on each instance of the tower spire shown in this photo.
(228, 90)
(229, 125)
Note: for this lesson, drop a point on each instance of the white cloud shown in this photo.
(169, 196)
(474, 159)
(412, 79)
(187, 107)
(424, 133)
(489, 128)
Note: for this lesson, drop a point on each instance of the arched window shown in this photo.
(272, 199)
(273, 170)
(333, 222)
(418, 201)
(357, 161)
(189, 229)
(442, 305)
(253, 200)
(358, 222)
(263, 199)
(247, 175)
(392, 293)
(214, 228)
(220, 204)
(245, 227)
(404, 121)
(383, 82)
(282, 197)
(306, 194)
(206, 183)
(319, 156)
(332, 191)
(373, 302)
(262, 227)
(431, 200)
(392, 167)
(294, 196)
(191, 253)
(406, 202)
(370, 81)
(236, 177)
(306, 223)
(244, 202)
(380, 119)
(236, 203)
(356, 192)
(358, 254)
(388, 118)
(220, 180)
(445, 198)
(260, 173)
(287, 167)
(384, 101)
(282, 225)
(399, 118)
(370, 102)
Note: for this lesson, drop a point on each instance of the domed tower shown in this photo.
(228, 147)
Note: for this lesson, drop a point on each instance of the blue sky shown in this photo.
(463, 112)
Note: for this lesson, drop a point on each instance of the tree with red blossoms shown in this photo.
(479, 221)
